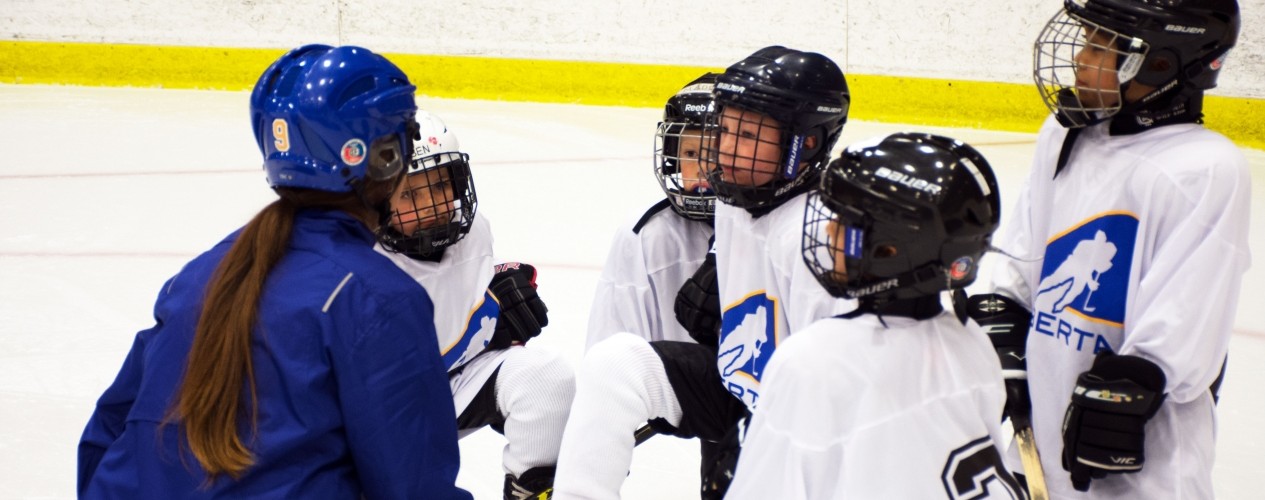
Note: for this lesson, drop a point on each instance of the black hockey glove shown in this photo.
(1007, 323)
(697, 304)
(523, 314)
(1104, 428)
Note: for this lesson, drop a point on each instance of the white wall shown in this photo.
(988, 40)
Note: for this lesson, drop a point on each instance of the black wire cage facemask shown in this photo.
(434, 206)
(1081, 68)
(680, 169)
(752, 160)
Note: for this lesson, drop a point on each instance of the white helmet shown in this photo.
(435, 145)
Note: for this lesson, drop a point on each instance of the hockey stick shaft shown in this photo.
(642, 434)
(1093, 276)
(1031, 459)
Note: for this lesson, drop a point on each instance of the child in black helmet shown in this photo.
(898, 398)
(1130, 243)
(678, 386)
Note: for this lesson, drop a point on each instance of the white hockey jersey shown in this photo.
(465, 312)
(1139, 246)
(766, 290)
(853, 409)
(650, 258)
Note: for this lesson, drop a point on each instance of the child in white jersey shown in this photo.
(633, 333)
(898, 398)
(653, 254)
(484, 312)
(1130, 243)
(778, 114)
(677, 385)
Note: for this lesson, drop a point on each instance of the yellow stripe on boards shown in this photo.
(946, 103)
(114, 65)
(1240, 119)
(536, 80)
(894, 99)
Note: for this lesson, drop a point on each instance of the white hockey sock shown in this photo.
(533, 390)
(621, 384)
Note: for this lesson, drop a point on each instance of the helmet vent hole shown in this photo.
(974, 217)
(361, 86)
(885, 251)
(285, 86)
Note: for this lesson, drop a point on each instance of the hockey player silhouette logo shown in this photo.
(748, 338)
(1086, 270)
(1083, 269)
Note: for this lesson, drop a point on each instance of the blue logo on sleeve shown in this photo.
(479, 329)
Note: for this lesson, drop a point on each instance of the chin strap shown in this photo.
(959, 304)
(1159, 108)
(805, 183)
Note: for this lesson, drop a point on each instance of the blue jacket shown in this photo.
(353, 397)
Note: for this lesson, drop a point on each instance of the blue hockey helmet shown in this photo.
(326, 118)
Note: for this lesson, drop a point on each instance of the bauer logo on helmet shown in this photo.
(1177, 28)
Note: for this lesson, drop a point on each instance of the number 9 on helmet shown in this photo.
(327, 118)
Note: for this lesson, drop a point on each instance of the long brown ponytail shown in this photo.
(210, 400)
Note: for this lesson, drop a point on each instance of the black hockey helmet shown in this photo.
(806, 94)
(905, 217)
(683, 123)
(1176, 46)
(436, 202)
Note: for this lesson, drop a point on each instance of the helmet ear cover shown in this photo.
(889, 228)
(1159, 67)
(386, 158)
